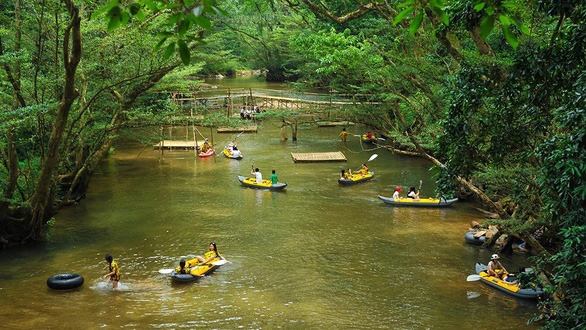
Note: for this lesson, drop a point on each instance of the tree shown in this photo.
(504, 133)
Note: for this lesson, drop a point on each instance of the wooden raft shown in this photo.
(314, 157)
(175, 144)
(246, 129)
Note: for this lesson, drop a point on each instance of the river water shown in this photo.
(317, 255)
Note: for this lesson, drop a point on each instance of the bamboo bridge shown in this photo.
(233, 100)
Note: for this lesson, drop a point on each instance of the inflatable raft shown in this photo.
(422, 202)
(507, 287)
(470, 237)
(355, 178)
(265, 184)
(228, 153)
(196, 270)
(206, 154)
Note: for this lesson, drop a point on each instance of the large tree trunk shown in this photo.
(40, 201)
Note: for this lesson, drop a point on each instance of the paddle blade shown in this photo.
(219, 262)
(373, 157)
(472, 278)
(166, 270)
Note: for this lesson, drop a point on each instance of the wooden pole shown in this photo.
(162, 140)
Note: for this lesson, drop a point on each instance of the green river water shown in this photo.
(315, 256)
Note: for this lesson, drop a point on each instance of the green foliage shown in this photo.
(417, 9)
(181, 17)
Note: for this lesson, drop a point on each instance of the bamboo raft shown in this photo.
(314, 157)
(245, 129)
(176, 144)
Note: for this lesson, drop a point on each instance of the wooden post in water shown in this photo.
(162, 140)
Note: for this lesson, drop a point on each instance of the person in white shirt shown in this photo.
(257, 174)
(396, 194)
(496, 269)
(412, 193)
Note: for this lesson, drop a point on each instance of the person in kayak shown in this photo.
(412, 193)
(363, 170)
(206, 146)
(235, 152)
(257, 175)
(114, 273)
(396, 193)
(274, 178)
(210, 255)
(181, 269)
(496, 269)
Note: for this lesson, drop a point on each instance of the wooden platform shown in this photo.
(174, 144)
(245, 129)
(314, 157)
(334, 123)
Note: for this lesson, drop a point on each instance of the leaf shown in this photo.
(510, 37)
(521, 27)
(104, 9)
(184, 52)
(442, 14)
(406, 3)
(184, 26)
(402, 15)
(114, 23)
(152, 5)
(188, 3)
(160, 43)
(169, 50)
(504, 20)
(437, 4)
(479, 6)
(486, 26)
(203, 22)
(415, 23)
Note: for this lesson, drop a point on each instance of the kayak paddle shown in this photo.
(472, 278)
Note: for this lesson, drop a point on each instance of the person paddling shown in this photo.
(496, 269)
(257, 174)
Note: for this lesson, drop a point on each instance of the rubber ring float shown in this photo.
(65, 281)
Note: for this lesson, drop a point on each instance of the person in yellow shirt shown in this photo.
(344, 135)
(114, 271)
(206, 146)
(182, 269)
(210, 255)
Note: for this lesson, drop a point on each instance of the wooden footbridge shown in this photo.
(233, 100)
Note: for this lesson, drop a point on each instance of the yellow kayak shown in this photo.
(509, 287)
(265, 184)
(422, 202)
(197, 270)
(355, 178)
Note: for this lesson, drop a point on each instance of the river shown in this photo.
(317, 255)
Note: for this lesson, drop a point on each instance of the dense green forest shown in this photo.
(492, 92)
